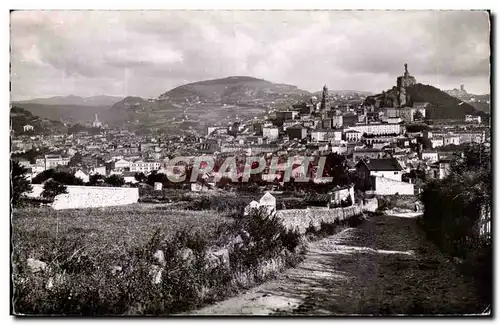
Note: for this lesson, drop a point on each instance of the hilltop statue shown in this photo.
(406, 80)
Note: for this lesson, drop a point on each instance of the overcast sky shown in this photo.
(145, 53)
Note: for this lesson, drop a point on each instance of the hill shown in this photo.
(20, 117)
(442, 104)
(69, 113)
(233, 90)
(101, 100)
(190, 108)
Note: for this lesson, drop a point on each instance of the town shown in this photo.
(386, 147)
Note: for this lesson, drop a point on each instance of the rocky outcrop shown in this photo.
(36, 266)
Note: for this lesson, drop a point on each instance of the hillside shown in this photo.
(20, 117)
(69, 113)
(233, 90)
(442, 104)
(191, 107)
(101, 100)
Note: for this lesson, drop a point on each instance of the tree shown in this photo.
(336, 167)
(53, 188)
(115, 180)
(96, 179)
(19, 183)
(417, 116)
(140, 177)
(58, 176)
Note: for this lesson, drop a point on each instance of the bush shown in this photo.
(58, 176)
(19, 184)
(53, 188)
(453, 212)
(115, 180)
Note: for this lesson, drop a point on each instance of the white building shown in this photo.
(101, 170)
(451, 139)
(431, 156)
(27, 128)
(387, 168)
(352, 135)
(318, 135)
(438, 142)
(122, 165)
(377, 128)
(81, 174)
(271, 133)
(145, 167)
(52, 161)
(337, 121)
(473, 119)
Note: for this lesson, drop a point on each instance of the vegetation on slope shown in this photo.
(83, 277)
(452, 214)
(20, 117)
(231, 90)
(442, 104)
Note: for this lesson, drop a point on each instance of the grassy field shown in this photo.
(108, 230)
(101, 261)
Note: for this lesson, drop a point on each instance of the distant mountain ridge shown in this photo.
(191, 106)
(100, 100)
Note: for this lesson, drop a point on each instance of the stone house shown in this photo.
(385, 168)
(431, 156)
(82, 175)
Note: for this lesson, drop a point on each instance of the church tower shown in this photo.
(324, 98)
(96, 123)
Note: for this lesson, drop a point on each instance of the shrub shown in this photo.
(53, 188)
(115, 180)
(19, 184)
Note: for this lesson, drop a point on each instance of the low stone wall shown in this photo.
(301, 219)
(80, 197)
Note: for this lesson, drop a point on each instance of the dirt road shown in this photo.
(383, 266)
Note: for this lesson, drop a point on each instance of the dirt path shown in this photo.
(384, 266)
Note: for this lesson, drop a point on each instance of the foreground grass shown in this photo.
(103, 261)
(111, 229)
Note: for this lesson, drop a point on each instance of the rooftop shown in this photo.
(387, 164)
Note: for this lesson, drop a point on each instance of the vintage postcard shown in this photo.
(264, 162)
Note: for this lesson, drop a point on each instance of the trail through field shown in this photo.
(383, 266)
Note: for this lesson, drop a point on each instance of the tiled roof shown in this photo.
(387, 164)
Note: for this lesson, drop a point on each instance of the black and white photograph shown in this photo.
(250, 163)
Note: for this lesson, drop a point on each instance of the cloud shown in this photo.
(146, 53)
